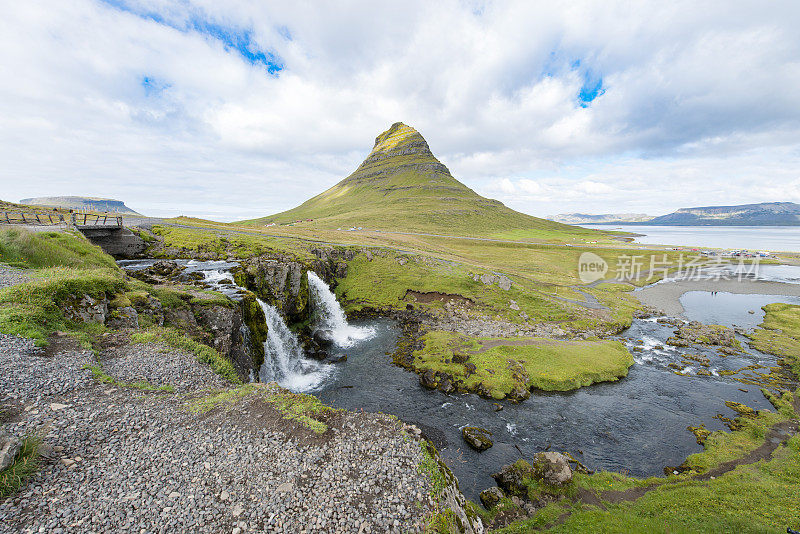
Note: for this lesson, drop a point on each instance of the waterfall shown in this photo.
(330, 315)
(284, 360)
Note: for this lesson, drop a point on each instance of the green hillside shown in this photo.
(401, 186)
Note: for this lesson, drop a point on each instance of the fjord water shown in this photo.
(772, 238)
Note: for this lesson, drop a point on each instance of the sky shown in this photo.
(233, 110)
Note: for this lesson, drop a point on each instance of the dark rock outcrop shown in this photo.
(477, 438)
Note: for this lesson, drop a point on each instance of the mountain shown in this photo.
(764, 214)
(401, 186)
(81, 203)
(603, 218)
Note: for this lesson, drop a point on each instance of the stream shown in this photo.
(636, 425)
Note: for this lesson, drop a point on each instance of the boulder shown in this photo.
(477, 438)
(323, 338)
(552, 468)
(336, 358)
(513, 478)
(491, 497)
(428, 379)
(519, 393)
(446, 385)
(9, 447)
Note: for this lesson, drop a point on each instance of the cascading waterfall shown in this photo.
(284, 360)
(330, 315)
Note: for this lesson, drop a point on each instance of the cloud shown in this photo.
(239, 109)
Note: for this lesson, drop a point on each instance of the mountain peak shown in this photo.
(401, 186)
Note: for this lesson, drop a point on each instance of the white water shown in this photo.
(330, 315)
(284, 360)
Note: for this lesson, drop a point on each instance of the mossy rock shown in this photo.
(477, 438)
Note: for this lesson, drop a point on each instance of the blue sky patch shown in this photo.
(591, 89)
(154, 86)
(232, 38)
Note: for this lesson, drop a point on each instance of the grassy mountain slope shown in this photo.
(81, 203)
(401, 186)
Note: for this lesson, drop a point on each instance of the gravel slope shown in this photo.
(123, 460)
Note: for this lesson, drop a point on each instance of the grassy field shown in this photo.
(779, 333)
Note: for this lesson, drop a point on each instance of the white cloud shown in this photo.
(696, 104)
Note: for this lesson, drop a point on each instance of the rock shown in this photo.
(317, 355)
(491, 497)
(323, 338)
(286, 487)
(57, 406)
(428, 379)
(701, 334)
(68, 462)
(513, 305)
(9, 447)
(224, 496)
(552, 468)
(512, 478)
(477, 438)
(125, 317)
(497, 406)
(87, 309)
(446, 385)
(173, 495)
(519, 393)
(335, 358)
(237, 510)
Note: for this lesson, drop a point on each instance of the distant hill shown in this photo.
(401, 186)
(764, 214)
(603, 218)
(81, 203)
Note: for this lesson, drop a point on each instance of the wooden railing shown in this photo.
(94, 219)
(31, 217)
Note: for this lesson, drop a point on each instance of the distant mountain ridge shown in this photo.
(401, 186)
(603, 218)
(763, 214)
(81, 203)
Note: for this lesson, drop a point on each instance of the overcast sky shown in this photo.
(235, 109)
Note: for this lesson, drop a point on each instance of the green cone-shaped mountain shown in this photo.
(401, 186)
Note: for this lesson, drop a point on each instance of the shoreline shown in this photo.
(665, 296)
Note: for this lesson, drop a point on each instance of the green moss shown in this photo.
(779, 333)
(546, 364)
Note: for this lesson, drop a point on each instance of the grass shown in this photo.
(34, 309)
(26, 462)
(204, 354)
(22, 248)
(101, 376)
(306, 410)
(779, 333)
(545, 364)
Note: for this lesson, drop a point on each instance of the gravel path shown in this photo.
(160, 366)
(123, 460)
(10, 276)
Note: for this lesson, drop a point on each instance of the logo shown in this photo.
(591, 267)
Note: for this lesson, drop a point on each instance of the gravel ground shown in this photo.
(123, 460)
(160, 366)
(10, 276)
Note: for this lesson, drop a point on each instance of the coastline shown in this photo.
(665, 296)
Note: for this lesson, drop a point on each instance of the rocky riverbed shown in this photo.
(121, 459)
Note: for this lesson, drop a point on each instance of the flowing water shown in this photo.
(637, 425)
